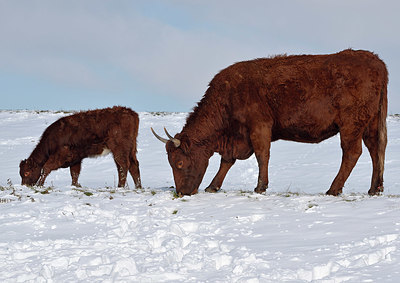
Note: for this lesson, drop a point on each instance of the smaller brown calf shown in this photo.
(85, 134)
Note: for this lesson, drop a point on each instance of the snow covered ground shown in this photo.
(294, 233)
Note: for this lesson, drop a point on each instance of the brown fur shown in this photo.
(85, 134)
(306, 98)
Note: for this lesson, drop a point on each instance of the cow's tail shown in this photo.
(382, 133)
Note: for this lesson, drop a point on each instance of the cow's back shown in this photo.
(307, 97)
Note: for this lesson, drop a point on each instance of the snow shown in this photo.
(293, 233)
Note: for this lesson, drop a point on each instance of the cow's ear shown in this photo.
(185, 143)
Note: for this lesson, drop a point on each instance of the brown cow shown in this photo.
(85, 134)
(306, 98)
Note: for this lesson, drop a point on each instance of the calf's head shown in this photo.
(29, 172)
(188, 161)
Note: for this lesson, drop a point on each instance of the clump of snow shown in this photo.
(292, 233)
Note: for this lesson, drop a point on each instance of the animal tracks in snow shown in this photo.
(352, 257)
(240, 237)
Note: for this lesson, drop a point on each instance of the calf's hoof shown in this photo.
(212, 189)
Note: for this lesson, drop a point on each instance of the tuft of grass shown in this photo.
(175, 195)
(393, 196)
(311, 205)
(153, 193)
(9, 187)
(289, 194)
(45, 191)
(175, 211)
(86, 193)
(243, 192)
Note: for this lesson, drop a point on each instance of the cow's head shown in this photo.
(188, 160)
(29, 171)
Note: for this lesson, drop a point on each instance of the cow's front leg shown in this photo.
(75, 170)
(261, 140)
(216, 183)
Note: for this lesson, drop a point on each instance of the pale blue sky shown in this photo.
(160, 55)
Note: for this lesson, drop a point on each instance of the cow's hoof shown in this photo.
(260, 190)
(211, 189)
(376, 191)
(334, 192)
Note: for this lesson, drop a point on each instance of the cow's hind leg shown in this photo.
(75, 170)
(351, 151)
(121, 155)
(376, 145)
(216, 183)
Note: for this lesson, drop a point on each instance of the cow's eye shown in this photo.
(179, 164)
(26, 174)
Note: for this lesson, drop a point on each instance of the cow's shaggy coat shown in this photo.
(85, 134)
(306, 98)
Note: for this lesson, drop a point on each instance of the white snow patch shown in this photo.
(293, 233)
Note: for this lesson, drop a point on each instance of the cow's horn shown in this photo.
(176, 142)
(158, 137)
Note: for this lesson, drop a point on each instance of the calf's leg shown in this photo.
(43, 177)
(122, 168)
(51, 164)
(121, 157)
(135, 172)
